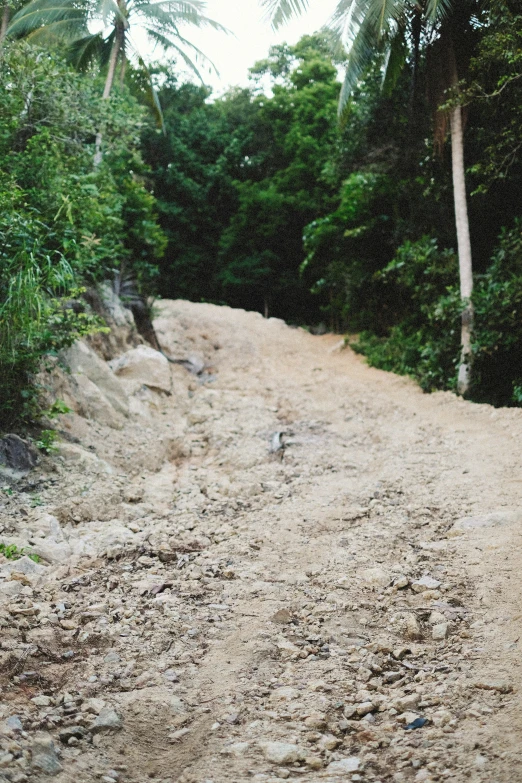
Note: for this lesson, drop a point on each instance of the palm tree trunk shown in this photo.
(4, 23)
(464, 247)
(116, 46)
(113, 60)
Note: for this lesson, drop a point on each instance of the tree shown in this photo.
(396, 27)
(71, 20)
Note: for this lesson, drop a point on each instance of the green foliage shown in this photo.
(63, 223)
(239, 178)
(58, 408)
(12, 552)
(47, 441)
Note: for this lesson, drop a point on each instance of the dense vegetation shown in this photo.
(262, 199)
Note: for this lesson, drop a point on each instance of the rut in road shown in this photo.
(342, 606)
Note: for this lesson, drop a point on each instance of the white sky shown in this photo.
(234, 55)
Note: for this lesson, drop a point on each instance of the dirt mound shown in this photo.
(270, 569)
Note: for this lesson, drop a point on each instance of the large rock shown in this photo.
(143, 366)
(112, 303)
(95, 405)
(24, 565)
(83, 361)
(16, 454)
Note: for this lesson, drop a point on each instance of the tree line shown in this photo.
(358, 214)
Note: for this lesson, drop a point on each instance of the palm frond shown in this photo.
(83, 51)
(45, 13)
(167, 44)
(151, 95)
(395, 59)
(438, 9)
(163, 10)
(278, 12)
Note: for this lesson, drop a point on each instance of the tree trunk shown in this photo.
(113, 60)
(464, 247)
(3, 24)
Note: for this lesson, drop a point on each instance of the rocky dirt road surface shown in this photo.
(292, 567)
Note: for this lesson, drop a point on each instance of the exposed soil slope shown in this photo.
(241, 614)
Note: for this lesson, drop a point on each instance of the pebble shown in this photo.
(439, 631)
(41, 701)
(425, 583)
(282, 752)
(412, 629)
(364, 708)
(14, 723)
(501, 686)
(343, 766)
(107, 720)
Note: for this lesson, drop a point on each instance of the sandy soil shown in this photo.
(270, 615)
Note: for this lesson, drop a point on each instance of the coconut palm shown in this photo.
(395, 27)
(73, 22)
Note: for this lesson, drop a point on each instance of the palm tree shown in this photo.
(395, 28)
(72, 22)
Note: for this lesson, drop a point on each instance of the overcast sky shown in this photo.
(233, 55)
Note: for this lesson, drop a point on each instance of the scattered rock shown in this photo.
(343, 766)
(425, 583)
(501, 686)
(44, 756)
(412, 629)
(282, 752)
(107, 720)
(376, 577)
(282, 617)
(439, 631)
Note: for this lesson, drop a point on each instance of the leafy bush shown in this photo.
(426, 342)
(64, 222)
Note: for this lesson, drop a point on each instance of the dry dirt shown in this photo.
(241, 614)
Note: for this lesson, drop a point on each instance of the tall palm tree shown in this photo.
(72, 22)
(395, 27)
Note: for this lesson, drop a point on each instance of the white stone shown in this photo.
(342, 766)
(439, 631)
(94, 405)
(282, 752)
(284, 694)
(376, 577)
(425, 583)
(143, 366)
(24, 565)
(83, 361)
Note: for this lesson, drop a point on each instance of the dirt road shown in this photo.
(293, 567)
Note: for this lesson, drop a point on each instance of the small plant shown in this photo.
(7, 491)
(57, 408)
(36, 501)
(11, 552)
(46, 441)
